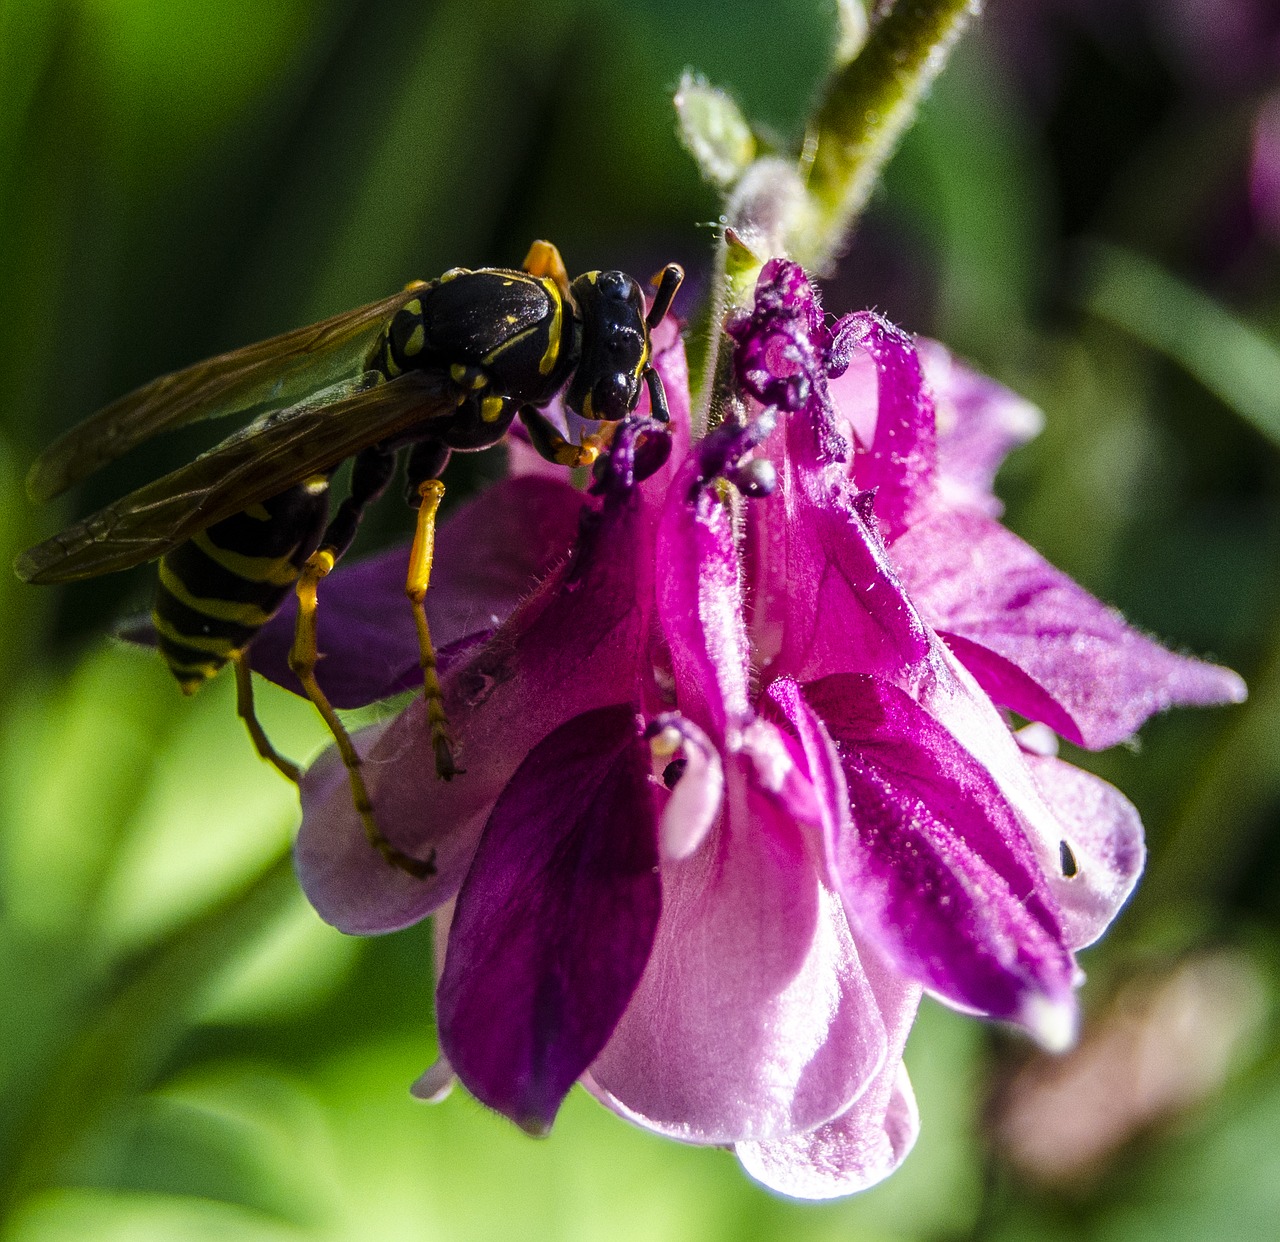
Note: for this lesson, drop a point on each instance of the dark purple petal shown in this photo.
(1102, 850)
(935, 865)
(781, 352)
(979, 422)
(900, 465)
(754, 1018)
(824, 596)
(490, 553)
(554, 924)
(1039, 644)
(581, 641)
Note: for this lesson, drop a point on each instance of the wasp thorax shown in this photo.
(615, 346)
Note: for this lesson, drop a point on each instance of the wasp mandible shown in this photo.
(443, 365)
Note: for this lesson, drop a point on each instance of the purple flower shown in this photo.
(738, 786)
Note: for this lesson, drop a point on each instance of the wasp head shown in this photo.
(615, 346)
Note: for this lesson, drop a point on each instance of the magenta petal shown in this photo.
(700, 603)
(934, 864)
(825, 598)
(490, 553)
(979, 421)
(900, 465)
(554, 924)
(754, 1018)
(1034, 639)
(579, 642)
(1104, 850)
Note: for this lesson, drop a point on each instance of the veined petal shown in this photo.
(934, 864)
(554, 924)
(579, 642)
(1038, 643)
(754, 1018)
(490, 553)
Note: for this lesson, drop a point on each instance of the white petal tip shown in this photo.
(1052, 1024)
(435, 1083)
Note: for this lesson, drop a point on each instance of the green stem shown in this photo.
(868, 106)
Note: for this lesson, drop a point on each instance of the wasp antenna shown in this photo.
(668, 282)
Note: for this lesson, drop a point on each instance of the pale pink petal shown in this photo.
(1103, 851)
(754, 1018)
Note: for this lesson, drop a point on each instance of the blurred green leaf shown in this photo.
(1236, 362)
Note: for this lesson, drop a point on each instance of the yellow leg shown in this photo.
(416, 582)
(544, 259)
(244, 709)
(302, 660)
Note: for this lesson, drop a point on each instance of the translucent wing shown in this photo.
(282, 371)
(254, 464)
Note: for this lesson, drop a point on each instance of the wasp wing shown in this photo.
(252, 465)
(279, 372)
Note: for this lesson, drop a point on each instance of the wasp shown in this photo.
(445, 365)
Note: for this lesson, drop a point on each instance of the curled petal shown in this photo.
(1039, 644)
(490, 553)
(554, 924)
(899, 468)
(934, 863)
(1102, 851)
(698, 790)
(754, 1018)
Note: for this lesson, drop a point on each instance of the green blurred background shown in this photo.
(185, 1051)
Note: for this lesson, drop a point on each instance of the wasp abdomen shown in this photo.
(217, 590)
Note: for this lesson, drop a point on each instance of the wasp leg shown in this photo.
(302, 660)
(418, 578)
(544, 259)
(550, 444)
(244, 709)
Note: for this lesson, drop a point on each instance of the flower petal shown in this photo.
(900, 464)
(979, 422)
(825, 598)
(855, 1151)
(934, 864)
(1039, 644)
(554, 924)
(1104, 851)
(754, 1018)
(700, 602)
(490, 553)
(579, 642)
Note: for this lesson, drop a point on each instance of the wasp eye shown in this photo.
(613, 398)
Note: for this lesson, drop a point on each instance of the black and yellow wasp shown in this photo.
(443, 365)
